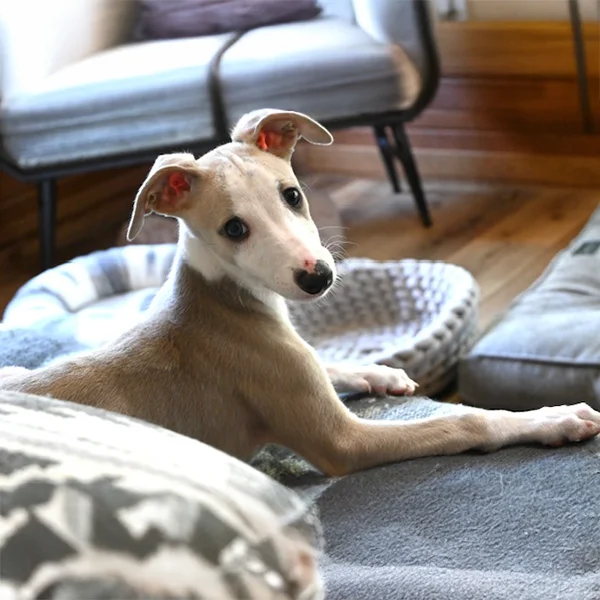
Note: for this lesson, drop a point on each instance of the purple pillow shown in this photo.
(167, 19)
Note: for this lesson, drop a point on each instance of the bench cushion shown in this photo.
(129, 98)
(546, 349)
(328, 68)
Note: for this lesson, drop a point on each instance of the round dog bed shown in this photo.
(417, 315)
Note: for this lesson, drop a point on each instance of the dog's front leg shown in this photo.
(341, 443)
(373, 379)
(298, 407)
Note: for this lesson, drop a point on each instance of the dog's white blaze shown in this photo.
(281, 239)
(195, 252)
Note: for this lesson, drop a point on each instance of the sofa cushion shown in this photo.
(128, 98)
(98, 505)
(546, 349)
(187, 18)
(328, 68)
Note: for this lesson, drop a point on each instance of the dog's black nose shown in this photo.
(317, 281)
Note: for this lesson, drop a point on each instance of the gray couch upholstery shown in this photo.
(356, 73)
(82, 94)
(123, 99)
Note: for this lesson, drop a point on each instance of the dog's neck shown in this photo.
(195, 254)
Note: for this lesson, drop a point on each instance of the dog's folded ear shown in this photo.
(167, 190)
(277, 131)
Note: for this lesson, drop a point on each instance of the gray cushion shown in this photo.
(327, 67)
(129, 98)
(188, 18)
(546, 349)
(34, 348)
(97, 505)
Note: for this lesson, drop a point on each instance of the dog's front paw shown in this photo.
(374, 379)
(558, 425)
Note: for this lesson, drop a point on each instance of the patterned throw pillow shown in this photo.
(168, 19)
(98, 505)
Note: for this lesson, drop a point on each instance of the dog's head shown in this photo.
(243, 209)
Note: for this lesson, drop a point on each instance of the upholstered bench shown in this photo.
(114, 83)
(545, 350)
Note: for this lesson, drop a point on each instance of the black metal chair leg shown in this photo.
(580, 62)
(47, 221)
(405, 155)
(387, 155)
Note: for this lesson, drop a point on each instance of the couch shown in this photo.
(79, 93)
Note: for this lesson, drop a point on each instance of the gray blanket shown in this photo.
(520, 524)
(32, 349)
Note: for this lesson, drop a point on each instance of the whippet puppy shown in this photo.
(216, 356)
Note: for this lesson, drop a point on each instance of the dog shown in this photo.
(216, 357)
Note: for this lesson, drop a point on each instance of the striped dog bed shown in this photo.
(417, 315)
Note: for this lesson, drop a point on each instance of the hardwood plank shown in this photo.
(511, 253)
(486, 140)
(461, 165)
(384, 226)
(505, 237)
(94, 202)
(526, 48)
(496, 93)
(510, 103)
(508, 119)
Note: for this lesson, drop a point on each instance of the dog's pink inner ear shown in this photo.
(176, 186)
(270, 140)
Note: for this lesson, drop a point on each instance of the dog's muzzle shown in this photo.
(316, 282)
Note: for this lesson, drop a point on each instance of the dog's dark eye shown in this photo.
(292, 196)
(235, 229)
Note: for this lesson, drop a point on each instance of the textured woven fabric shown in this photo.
(420, 316)
(93, 298)
(417, 315)
(98, 505)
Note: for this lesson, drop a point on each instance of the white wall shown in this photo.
(37, 37)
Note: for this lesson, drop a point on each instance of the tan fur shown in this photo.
(216, 357)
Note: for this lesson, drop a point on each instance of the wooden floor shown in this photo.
(504, 235)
